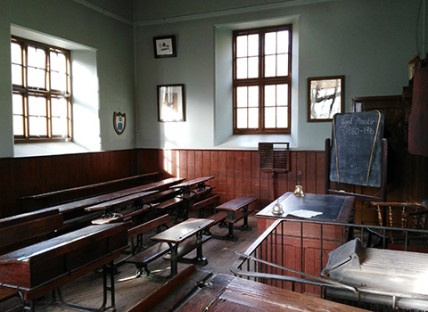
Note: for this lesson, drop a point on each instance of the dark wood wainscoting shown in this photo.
(34, 175)
(237, 172)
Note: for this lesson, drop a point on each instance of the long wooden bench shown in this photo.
(191, 191)
(141, 203)
(74, 212)
(118, 209)
(169, 204)
(23, 230)
(161, 195)
(41, 200)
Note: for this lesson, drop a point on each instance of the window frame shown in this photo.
(261, 81)
(47, 93)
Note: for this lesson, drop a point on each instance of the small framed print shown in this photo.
(164, 46)
(325, 97)
(171, 103)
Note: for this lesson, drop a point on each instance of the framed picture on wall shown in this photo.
(171, 106)
(164, 46)
(325, 97)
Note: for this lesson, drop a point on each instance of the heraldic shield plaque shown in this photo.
(119, 122)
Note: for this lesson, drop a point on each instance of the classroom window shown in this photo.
(262, 80)
(41, 92)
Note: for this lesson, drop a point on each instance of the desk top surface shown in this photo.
(121, 200)
(236, 203)
(229, 293)
(82, 203)
(183, 230)
(62, 243)
(192, 182)
(334, 208)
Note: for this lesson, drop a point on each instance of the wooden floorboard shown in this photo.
(87, 290)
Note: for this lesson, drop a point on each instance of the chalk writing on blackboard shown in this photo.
(356, 152)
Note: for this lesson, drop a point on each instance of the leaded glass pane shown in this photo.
(17, 104)
(59, 126)
(241, 68)
(37, 106)
(241, 97)
(36, 78)
(282, 65)
(253, 45)
(282, 43)
(270, 98)
(253, 118)
(282, 117)
(270, 66)
(282, 94)
(270, 118)
(59, 107)
(16, 53)
(242, 118)
(36, 57)
(37, 126)
(17, 75)
(58, 81)
(18, 125)
(241, 46)
(253, 67)
(253, 96)
(270, 43)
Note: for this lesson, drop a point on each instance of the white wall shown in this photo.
(111, 38)
(370, 42)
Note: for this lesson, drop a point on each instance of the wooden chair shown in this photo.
(404, 215)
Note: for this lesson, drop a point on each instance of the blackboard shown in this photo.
(356, 151)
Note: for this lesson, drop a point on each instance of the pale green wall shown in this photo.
(370, 42)
(111, 38)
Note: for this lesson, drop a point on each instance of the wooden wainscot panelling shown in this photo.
(34, 175)
(237, 172)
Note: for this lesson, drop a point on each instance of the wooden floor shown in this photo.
(87, 291)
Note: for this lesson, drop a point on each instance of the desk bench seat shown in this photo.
(236, 209)
(161, 195)
(32, 202)
(148, 255)
(203, 206)
(136, 233)
(179, 240)
(169, 203)
(142, 256)
(142, 259)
